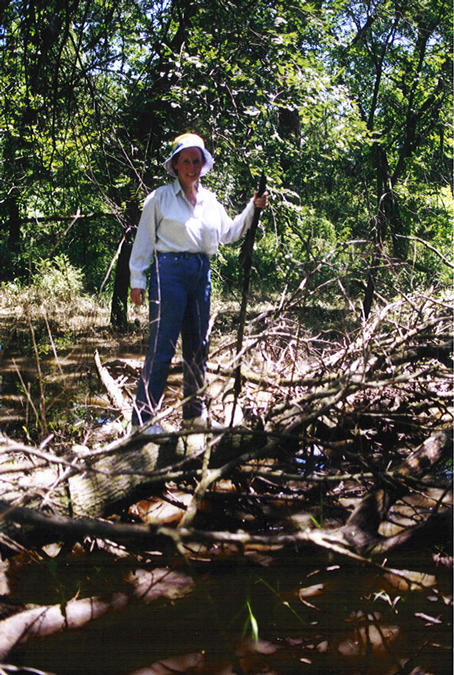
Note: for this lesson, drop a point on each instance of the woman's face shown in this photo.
(188, 165)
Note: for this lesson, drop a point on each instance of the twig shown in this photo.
(427, 245)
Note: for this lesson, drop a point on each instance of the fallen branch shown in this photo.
(114, 392)
(44, 621)
(361, 529)
(357, 536)
(350, 404)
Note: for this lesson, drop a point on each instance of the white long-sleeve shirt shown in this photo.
(171, 224)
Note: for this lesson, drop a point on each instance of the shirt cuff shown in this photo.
(138, 282)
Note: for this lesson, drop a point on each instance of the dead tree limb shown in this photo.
(115, 394)
(361, 529)
(47, 620)
(341, 400)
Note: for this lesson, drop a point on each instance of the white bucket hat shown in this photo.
(189, 141)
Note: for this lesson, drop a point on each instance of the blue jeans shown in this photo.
(179, 296)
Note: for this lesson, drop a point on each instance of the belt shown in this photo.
(182, 254)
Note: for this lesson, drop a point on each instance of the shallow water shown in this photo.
(303, 613)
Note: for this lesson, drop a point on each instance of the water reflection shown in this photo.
(310, 616)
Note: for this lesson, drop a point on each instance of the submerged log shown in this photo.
(47, 620)
(92, 484)
(87, 485)
(85, 493)
(113, 479)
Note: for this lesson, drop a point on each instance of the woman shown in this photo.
(181, 227)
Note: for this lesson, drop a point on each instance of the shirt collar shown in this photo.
(176, 186)
(177, 189)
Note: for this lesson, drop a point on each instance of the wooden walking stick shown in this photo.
(245, 261)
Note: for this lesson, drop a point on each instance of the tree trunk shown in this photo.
(10, 213)
(92, 483)
(119, 307)
(387, 219)
(82, 487)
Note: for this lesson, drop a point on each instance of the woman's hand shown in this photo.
(137, 296)
(261, 202)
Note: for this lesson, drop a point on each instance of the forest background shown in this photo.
(345, 106)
